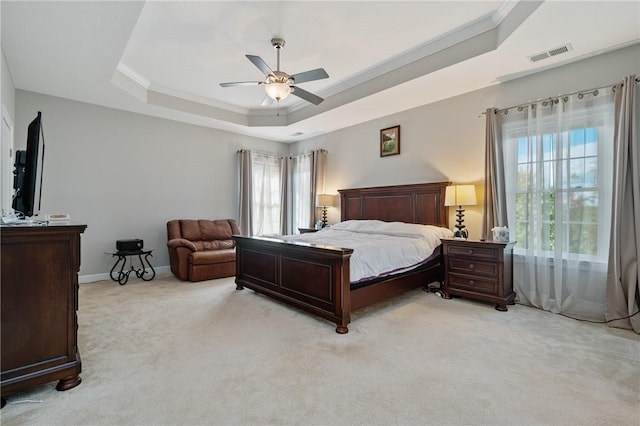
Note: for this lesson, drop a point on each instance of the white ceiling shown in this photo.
(167, 59)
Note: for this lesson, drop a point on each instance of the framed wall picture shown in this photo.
(390, 141)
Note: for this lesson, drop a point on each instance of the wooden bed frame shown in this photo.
(316, 278)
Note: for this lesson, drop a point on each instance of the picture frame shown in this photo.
(390, 141)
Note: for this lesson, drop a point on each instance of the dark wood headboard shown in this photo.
(415, 203)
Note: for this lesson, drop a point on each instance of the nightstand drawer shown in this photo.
(473, 267)
(476, 252)
(473, 284)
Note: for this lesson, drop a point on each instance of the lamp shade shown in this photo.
(325, 200)
(277, 91)
(460, 195)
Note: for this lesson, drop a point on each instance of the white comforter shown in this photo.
(379, 248)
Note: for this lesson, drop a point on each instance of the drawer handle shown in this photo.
(472, 282)
(470, 251)
(471, 266)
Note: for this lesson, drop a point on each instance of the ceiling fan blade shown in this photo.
(307, 96)
(317, 74)
(267, 101)
(260, 63)
(241, 83)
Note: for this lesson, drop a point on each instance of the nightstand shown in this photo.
(481, 270)
(306, 230)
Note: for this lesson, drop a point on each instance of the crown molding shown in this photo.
(477, 37)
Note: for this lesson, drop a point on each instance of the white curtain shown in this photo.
(285, 195)
(302, 205)
(558, 174)
(266, 194)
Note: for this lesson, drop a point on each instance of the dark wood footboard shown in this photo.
(316, 278)
(312, 278)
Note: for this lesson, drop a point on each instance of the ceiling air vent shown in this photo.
(549, 53)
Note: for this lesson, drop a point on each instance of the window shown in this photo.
(277, 195)
(558, 165)
(573, 157)
(558, 172)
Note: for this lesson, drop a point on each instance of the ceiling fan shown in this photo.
(278, 84)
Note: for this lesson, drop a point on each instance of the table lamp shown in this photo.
(460, 195)
(324, 201)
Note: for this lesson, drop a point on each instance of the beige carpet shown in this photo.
(168, 352)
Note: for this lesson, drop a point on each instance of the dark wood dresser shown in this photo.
(481, 270)
(39, 293)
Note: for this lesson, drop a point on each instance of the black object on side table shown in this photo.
(307, 230)
(145, 271)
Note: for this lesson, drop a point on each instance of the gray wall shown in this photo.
(7, 94)
(125, 175)
(8, 89)
(445, 140)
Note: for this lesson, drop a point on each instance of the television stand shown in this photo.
(39, 286)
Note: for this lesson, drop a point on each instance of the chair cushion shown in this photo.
(214, 256)
(206, 230)
(214, 245)
(215, 230)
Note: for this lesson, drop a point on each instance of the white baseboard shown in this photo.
(82, 279)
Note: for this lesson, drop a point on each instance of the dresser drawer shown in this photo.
(473, 267)
(487, 253)
(473, 284)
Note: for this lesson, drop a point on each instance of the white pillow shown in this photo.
(399, 229)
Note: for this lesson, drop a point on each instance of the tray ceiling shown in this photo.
(167, 59)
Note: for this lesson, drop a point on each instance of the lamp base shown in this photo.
(461, 234)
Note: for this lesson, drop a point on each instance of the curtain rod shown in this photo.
(269, 154)
(278, 155)
(497, 110)
(308, 152)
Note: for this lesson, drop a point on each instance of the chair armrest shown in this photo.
(181, 242)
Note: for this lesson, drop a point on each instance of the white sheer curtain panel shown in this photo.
(266, 194)
(285, 195)
(558, 172)
(302, 206)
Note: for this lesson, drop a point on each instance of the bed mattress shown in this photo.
(380, 249)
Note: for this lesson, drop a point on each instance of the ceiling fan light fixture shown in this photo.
(277, 91)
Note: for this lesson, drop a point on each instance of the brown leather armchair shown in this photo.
(202, 249)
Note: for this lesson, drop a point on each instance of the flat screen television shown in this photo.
(29, 164)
